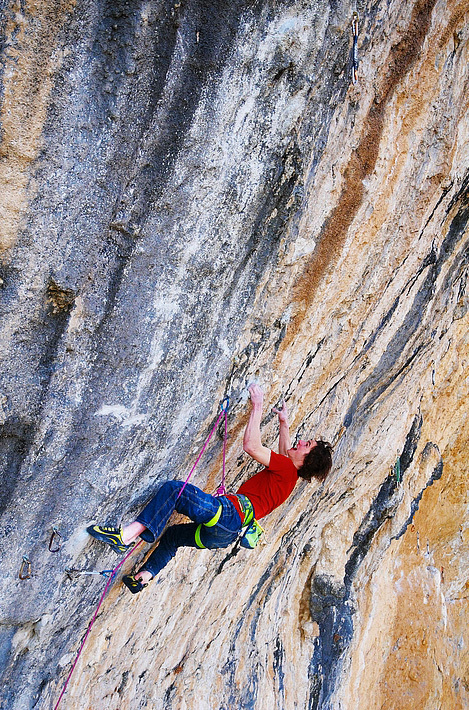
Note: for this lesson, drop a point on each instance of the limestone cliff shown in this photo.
(195, 194)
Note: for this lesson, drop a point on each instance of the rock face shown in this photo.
(195, 194)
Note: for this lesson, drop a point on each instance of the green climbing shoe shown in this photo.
(134, 585)
(111, 536)
(252, 535)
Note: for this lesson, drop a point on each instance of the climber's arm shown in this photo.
(284, 441)
(252, 443)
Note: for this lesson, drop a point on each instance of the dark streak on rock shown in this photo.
(17, 435)
(233, 552)
(389, 368)
(123, 683)
(279, 659)
(15, 441)
(436, 474)
(400, 60)
(216, 25)
(332, 605)
(303, 368)
(264, 589)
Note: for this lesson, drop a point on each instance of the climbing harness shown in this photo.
(25, 569)
(110, 574)
(55, 541)
(355, 47)
(252, 529)
(209, 524)
(247, 509)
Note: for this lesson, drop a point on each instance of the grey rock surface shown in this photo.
(195, 195)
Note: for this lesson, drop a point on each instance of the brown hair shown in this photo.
(317, 463)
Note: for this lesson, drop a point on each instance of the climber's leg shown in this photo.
(200, 507)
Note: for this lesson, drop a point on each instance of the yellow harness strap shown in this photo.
(209, 524)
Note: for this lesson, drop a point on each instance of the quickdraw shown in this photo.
(25, 569)
(55, 541)
(107, 573)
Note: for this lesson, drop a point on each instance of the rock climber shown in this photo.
(219, 520)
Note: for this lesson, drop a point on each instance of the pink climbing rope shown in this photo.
(90, 625)
(220, 491)
(223, 413)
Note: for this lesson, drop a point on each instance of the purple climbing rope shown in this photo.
(220, 491)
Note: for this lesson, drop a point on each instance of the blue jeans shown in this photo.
(199, 507)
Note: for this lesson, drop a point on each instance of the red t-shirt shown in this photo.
(271, 487)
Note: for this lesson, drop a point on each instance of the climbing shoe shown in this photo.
(135, 585)
(252, 535)
(111, 536)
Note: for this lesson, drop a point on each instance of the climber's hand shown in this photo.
(257, 395)
(282, 413)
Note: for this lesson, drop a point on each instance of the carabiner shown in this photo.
(58, 541)
(224, 407)
(25, 567)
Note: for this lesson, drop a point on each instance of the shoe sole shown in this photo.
(131, 588)
(102, 538)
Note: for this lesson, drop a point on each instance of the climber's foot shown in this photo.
(133, 584)
(111, 536)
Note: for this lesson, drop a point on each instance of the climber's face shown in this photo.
(298, 453)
